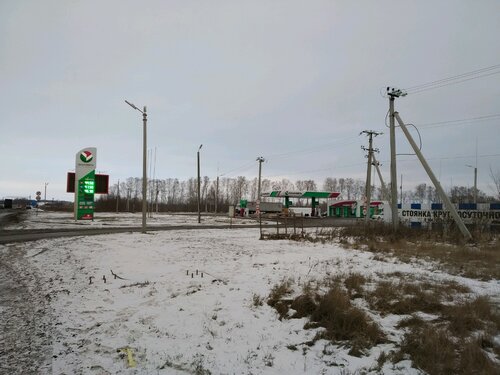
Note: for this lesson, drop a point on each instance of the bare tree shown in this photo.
(420, 191)
(204, 188)
(253, 186)
(342, 185)
(330, 184)
(431, 193)
(349, 187)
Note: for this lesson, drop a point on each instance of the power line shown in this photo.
(310, 149)
(452, 83)
(458, 78)
(241, 168)
(463, 121)
(453, 157)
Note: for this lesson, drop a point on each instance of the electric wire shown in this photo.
(465, 76)
(240, 168)
(309, 149)
(451, 83)
(459, 122)
(419, 139)
(449, 157)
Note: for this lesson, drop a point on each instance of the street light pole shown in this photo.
(45, 192)
(144, 169)
(199, 181)
(475, 182)
(260, 159)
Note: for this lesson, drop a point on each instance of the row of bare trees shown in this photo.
(172, 194)
(176, 195)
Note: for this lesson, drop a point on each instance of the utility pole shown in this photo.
(45, 192)
(393, 93)
(368, 187)
(144, 165)
(434, 180)
(199, 182)
(260, 159)
(216, 191)
(117, 195)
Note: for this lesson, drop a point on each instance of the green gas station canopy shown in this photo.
(301, 194)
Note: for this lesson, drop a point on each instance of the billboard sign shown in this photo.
(101, 183)
(85, 164)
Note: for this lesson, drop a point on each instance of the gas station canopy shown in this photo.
(301, 194)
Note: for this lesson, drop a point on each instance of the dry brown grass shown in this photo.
(344, 322)
(474, 315)
(354, 283)
(432, 350)
(407, 297)
(437, 351)
(455, 343)
(459, 340)
(478, 260)
(473, 360)
(276, 297)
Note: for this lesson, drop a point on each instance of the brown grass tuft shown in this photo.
(406, 297)
(304, 305)
(478, 314)
(354, 283)
(342, 321)
(473, 360)
(275, 298)
(432, 350)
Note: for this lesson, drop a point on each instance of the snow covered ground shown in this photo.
(184, 304)
(39, 219)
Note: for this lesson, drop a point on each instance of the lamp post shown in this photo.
(45, 192)
(144, 174)
(260, 159)
(199, 180)
(475, 182)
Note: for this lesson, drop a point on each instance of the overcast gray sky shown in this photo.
(293, 81)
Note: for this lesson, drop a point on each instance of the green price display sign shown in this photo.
(85, 183)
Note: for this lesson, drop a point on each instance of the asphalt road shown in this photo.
(23, 235)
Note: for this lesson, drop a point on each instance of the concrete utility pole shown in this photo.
(434, 180)
(117, 195)
(45, 192)
(199, 182)
(144, 164)
(260, 159)
(368, 187)
(216, 192)
(393, 93)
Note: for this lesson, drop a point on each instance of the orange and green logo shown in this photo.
(86, 156)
